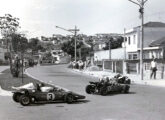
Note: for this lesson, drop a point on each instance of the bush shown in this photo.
(2, 62)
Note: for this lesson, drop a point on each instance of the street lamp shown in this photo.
(74, 31)
(141, 10)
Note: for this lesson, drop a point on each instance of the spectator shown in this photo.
(73, 64)
(80, 64)
(153, 68)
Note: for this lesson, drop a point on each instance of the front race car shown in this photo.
(27, 94)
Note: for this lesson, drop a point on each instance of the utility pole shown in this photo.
(141, 10)
(22, 56)
(110, 49)
(125, 57)
(75, 41)
(74, 31)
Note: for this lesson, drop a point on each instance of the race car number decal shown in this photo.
(50, 96)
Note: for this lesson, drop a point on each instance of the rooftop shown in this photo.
(159, 42)
(153, 24)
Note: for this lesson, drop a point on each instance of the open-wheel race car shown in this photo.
(30, 93)
(106, 87)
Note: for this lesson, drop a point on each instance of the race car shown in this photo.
(106, 87)
(29, 93)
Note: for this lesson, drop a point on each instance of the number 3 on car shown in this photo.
(50, 96)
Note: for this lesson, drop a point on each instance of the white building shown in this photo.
(153, 31)
(126, 60)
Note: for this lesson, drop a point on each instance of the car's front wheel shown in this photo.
(24, 100)
(69, 98)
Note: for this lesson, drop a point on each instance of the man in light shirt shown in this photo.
(153, 68)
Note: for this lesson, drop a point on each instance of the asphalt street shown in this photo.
(142, 103)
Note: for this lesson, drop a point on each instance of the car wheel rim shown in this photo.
(70, 98)
(25, 100)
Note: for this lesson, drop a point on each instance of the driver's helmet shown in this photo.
(39, 85)
(117, 76)
(101, 80)
(107, 79)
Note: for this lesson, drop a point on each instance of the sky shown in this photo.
(39, 17)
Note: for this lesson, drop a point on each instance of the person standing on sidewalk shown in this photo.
(153, 68)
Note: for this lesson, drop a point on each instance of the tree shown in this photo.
(92, 44)
(49, 46)
(69, 48)
(114, 43)
(19, 43)
(8, 26)
(35, 45)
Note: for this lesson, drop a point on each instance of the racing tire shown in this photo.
(16, 97)
(24, 100)
(126, 89)
(69, 98)
(103, 91)
(88, 89)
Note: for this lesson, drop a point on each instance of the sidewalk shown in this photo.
(135, 79)
(2, 68)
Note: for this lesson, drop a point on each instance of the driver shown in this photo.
(39, 85)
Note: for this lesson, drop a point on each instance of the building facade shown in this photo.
(128, 61)
(153, 31)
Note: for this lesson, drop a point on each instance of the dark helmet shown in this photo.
(117, 76)
(107, 79)
(41, 84)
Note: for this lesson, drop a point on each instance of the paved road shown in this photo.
(143, 102)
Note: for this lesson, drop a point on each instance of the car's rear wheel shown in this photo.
(88, 89)
(69, 98)
(24, 100)
(16, 97)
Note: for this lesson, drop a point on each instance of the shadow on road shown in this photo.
(116, 93)
(132, 93)
(59, 102)
(112, 94)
